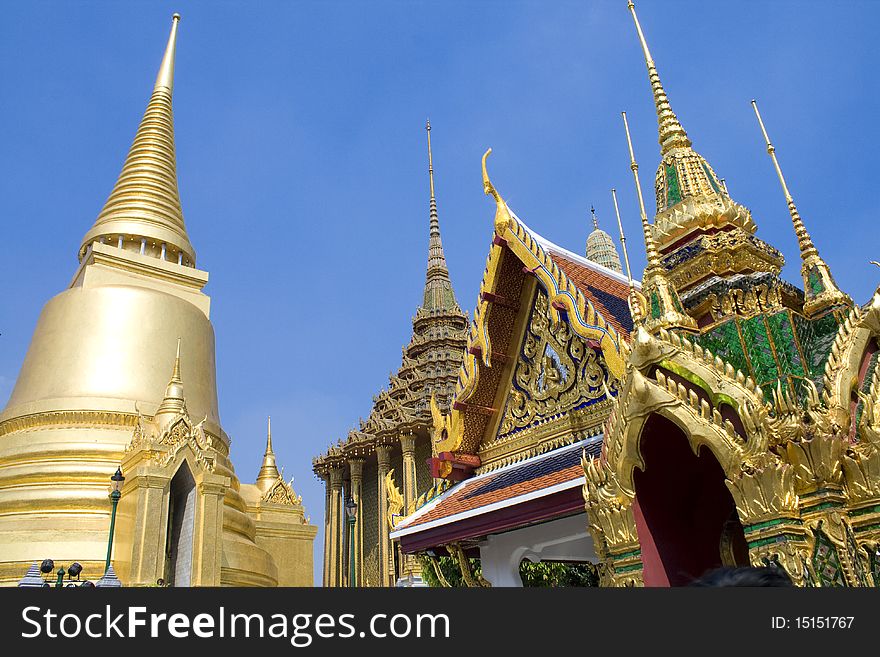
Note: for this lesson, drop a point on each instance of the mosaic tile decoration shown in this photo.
(827, 562)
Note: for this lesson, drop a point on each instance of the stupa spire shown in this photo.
(820, 289)
(664, 307)
(268, 474)
(672, 134)
(143, 212)
(600, 246)
(438, 287)
(173, 402)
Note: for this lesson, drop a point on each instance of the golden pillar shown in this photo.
(356, 467)
(386, 558)
(335, 529)
(326, 569)
(345, 541)
(409, 564)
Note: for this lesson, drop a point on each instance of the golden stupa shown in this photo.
(94, 393)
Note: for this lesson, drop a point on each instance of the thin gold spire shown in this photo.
(622, 238)
(173, 402)
(144, 206)
(165, 78)
(438, 288)
(665, 309)
(820, 289)
(650, 246)
(430, 159)
(268, 474)
(805, 242)
(672, 134)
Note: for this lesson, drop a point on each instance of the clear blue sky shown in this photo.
(303, 174)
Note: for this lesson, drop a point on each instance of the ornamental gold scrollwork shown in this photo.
(764, 489)
(556, 371)
(394, 500)
(608, 507)
(761, 298)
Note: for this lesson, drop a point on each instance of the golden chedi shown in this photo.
(94, 393)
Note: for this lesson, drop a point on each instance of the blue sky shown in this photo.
(303, 173)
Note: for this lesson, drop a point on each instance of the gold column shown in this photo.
(345, 573)
(409, 565)
(335, 560)
(326, 567)
(356, 467)
(386, 571)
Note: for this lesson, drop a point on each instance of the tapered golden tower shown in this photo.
(94, 393)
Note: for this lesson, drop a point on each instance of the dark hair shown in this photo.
(744, 576)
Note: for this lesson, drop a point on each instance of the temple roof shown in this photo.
(506, 494)
(606, 288)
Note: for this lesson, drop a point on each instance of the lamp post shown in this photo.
(115, 494)
(351, 509)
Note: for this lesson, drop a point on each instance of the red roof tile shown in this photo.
(554, 468)
(608, 295)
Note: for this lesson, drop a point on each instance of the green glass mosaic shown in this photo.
(760, 352)
(724, 341)
(787, 354)
(827, 562)
(673, 191)
(711, 179)
(677, 303)
(875, 568)
(814, 281)
(655, 306)
(816, 337)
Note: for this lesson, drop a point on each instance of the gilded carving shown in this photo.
(556, 371)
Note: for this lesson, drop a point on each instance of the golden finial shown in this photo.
(268, 474)
(144, 204)
(672, 134)
(637, 302)
(595, 221)
(665, 309)
(430, 159)
(502, 215)
(622, 238)
(175, 374)
(165, 78)
(650, 246)
(438, 288)
(820, 290)
(173, 402)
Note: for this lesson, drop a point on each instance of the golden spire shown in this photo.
(144, 206)
(438, 288)
(173, 403)
(672, 134)
(820, 290)
(268, 474)
(664, 307)
(622, 238)
(635, 299)
(650, 246)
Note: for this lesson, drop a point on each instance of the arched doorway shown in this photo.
(685, 516)
(181, 522)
